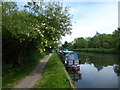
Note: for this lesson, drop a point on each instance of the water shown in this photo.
(97, 71)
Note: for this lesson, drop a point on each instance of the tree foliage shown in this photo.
(39, 25)
(116, 35)
(98, 41)
(80, 43)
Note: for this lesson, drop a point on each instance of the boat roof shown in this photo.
(73, 56)
(67, 51)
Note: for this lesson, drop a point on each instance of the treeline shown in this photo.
(97, 43)
(38, 25)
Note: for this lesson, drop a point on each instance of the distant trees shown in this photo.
(97, 41)
(101, 41)
(106, 41)
(116, 35)
(39, 25)
(80, 43)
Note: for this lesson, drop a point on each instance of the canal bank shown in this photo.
(97, 70)
(98, 50)
(54, 75)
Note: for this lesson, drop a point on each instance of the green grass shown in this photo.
(53, 75)
(12, 75)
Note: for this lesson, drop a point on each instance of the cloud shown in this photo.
(92, 17)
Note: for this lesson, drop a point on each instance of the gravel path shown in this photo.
(35, 75)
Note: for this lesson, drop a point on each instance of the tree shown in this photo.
(80, 43)
(39, 25)
(54, 17)
(65, 45)
(101, 41)
(89, 41)
(106, 40)
(116, 35)
(97, 33)
(95, 42)
(70, 45)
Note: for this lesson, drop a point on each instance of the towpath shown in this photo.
(35, 75)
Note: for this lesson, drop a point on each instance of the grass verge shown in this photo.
(16, 74)
(97, 50)
(53, 75)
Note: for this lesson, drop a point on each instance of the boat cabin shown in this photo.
(71, 59)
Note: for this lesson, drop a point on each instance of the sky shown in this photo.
(89, 17)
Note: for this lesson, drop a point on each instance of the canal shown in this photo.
(97, 71)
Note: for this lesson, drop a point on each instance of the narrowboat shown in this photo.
(71, 60)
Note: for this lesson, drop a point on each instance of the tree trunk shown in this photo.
(22, 55)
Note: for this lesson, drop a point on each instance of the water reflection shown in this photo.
(92, 78)
(75, 75)
(97, 71)
(101, 60)
(117, 70)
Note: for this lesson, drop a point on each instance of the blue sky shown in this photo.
(89, 17)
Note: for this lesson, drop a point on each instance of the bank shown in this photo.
(97, 50)
(54, 75)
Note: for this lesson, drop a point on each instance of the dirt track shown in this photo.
(35, 75)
